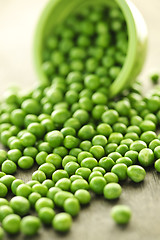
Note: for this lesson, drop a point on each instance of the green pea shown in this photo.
(30, 225)
(33, 198)
(3, 202)
(14, 155)
(157, 165)
(120, 169)
(107, 163)
(40, 188)
(64, 184)
(4, 190)
(154, 143)
(84, 172)
(111, 147)
(5, 211)
(121, 214)
(60, 197)
(3, 156)
(1, 233)
(85, 145)
(48, 183)
(79, 184)
(9, 167)
(71, 142)
(138, 145)
(148, 136)
(104, 129)
(62, 222)
(43, 202)
(46, 215)
(146, 157)
(72, 206)
(25, 162)
(39, 176)
(54, 138)
(89, 163)
(58, 174)
(52, 192)
(110, 117)
(111, 177)
(86, 132)
(112, 191)
(55, 159)
(47, 169)
(83, 196)
(97, 184)
(125, 160)
(11, 224)
(136, 173)
(97, 151)
(133, 155)
(15, 184)
(7, 180)
(114, 156)
(23, 190)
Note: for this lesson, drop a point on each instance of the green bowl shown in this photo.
(57, 11)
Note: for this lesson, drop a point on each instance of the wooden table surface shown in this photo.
(17, 22)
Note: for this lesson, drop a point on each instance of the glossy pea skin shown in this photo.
(83, 172)
(97, 184)
(136, 173)
(7, 180)
(39, 176)
(40, 188)
(46, 215)
(3, 156)
(15, 184)
(62, 222)
(5, 211)
(157, 165)
(25, 162)
(48, 169)
(112, 191)
(11, 224)
(71, 168)
(55, 159)
(121, 214)
(79, 184)
(64, 184)
(72, 206)
(120, 169)
(30, 225)
(58, 174)
(20, 205)
(48, 183)
(43, 202)
(83, 196)
(8, 167)
(111, 177)
(3, 201)
(52, 192)
(60, 197)
(89, 163)
(125, 160)
(146, 157)
(3, 189)
(138, 145)
(107, 163)
(14, 155)
(23, 190)
(33, 198)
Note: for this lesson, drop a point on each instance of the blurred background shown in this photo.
(18, 19)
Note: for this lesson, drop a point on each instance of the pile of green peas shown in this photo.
(80, 139)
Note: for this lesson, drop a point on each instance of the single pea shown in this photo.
(30, 225)
(112, 191)
(79, 184)
(48, 183)
(30, 152)
(68, 159)
(83, 117)
(138, 145)
(148, 136)
(83, 172)
(7, 180)
(3, 156)
(146, 157)
(70, 142)
(115, 137)
(157, 152)
(157, 165)
(17, 117)
(134, 129)
(92, 82)
(107, 163)
(52, 192)
(123, 107)
(104, 129)
(60, 197)
(11, 224)
(114, 156)
(120, 128)
(43, 202)
(99, 169)
(55, 159)
(133, 155)
(62, 222)
(97, 151)
(36, 129)
(133, 136)
(83, 196)
(110, 117)
(32, 183)
(44, 146)
(75, 152)
(68, 131)
(5, 211)
(71, 168)
(86, 132)
(98, 111)
(125, 160)
(147, 125)
(3, 189)
(58, 174)
(82, 155)
(121, 214)
(120, 169)
(127, 141)
(111, 147)
(3, 202)
(154, 143)
(85, 145)
(136, 173)
(31, 106)
(99, 140)
(25, 162)
(8, 167)
(23, 190)
(15, 184)
(2, 174)
(41, 157)
(28, 139)
(20, 205)
(72, 206)
(111, 177)
(72, 123)
(60, 116)
(54, 138)
(122, 149)
(33, 198)
(46, 215)
(64, 184)
(14, 155)
(47, 169)
(40, 188)
(97, 184)
(39, 176)
(89, 162)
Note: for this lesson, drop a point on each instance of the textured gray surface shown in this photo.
(17, 23)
